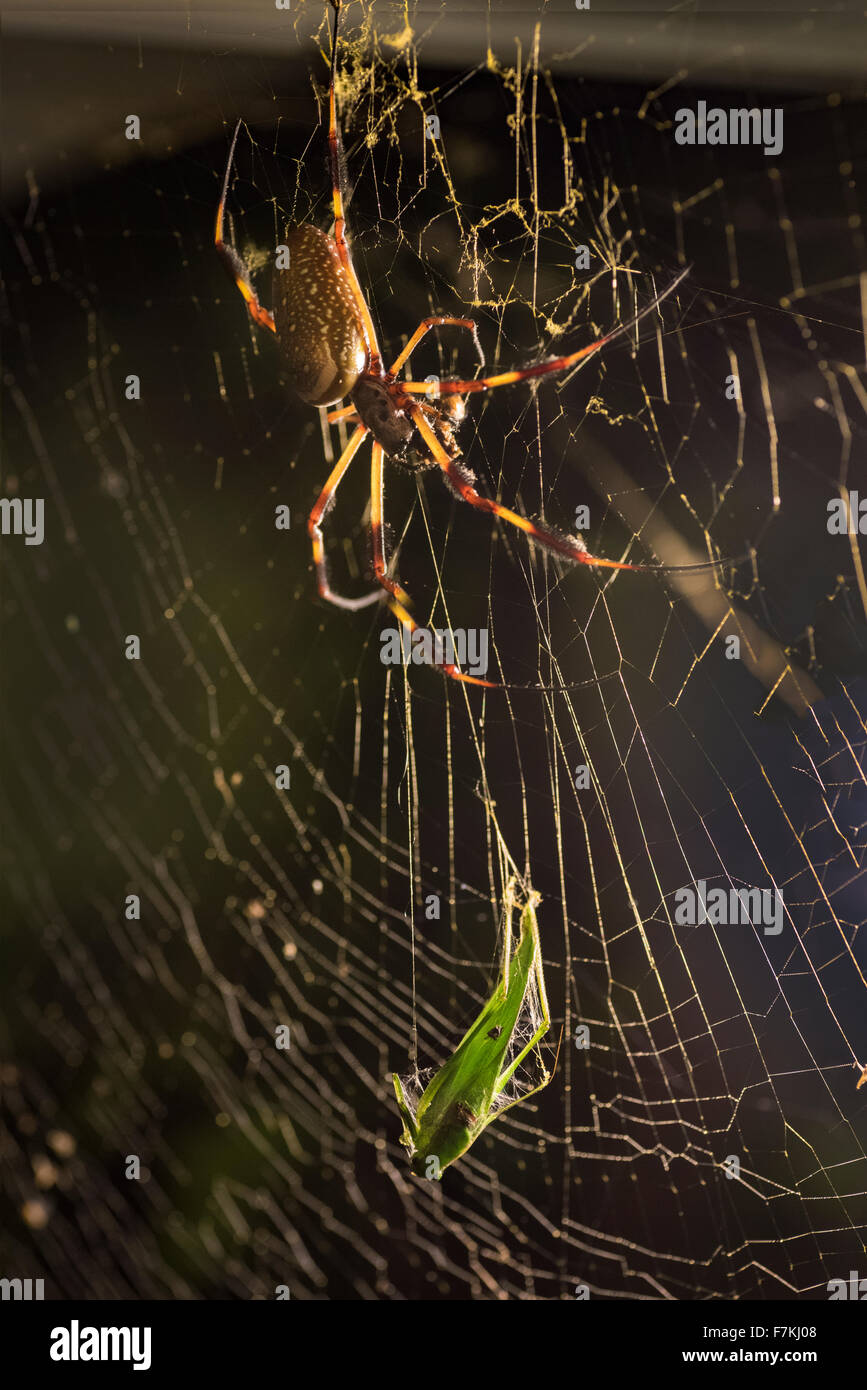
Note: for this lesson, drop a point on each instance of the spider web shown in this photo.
(310, 907)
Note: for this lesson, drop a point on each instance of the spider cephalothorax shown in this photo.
(380, 406)
(324, 327)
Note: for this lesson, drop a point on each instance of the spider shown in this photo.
(324, 327)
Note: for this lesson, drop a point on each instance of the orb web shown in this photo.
(630, 755)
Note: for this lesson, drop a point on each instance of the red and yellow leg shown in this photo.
(237, 270)
(380, 564)
(314, 529)
(437, 321)
(346, 412)
(400, 600)
(488, 383)
(554, 364)
(569, 547)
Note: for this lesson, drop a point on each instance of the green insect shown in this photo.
(460, 1101)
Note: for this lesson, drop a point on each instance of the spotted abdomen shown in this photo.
(316, 319)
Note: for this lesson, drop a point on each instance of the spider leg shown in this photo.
(340, 241)
(237, 270)
(400, 600)
(377, 495)
(346, 412)
(437, 321)
(314, 529)
(554, 364)
(454, 387)
(407, 620)
(570, 547)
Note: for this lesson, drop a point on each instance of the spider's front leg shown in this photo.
(235, 267)
(438, 321)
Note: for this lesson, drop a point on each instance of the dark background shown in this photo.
(154, 1037)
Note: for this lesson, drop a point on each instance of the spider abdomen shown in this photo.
(316, 319)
